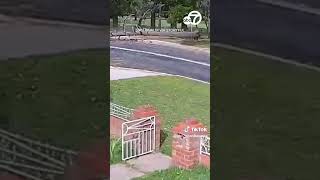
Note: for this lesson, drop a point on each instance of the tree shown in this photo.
(177, 9)
(119, 8)
(176, 15)
(141, 8)
(205, 11)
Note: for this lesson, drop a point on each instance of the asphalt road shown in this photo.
(269, 29)
(193, 65)
(21, 38)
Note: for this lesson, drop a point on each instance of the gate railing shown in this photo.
(138, 137)
(205, 145)
(32, 159)
(120, 111)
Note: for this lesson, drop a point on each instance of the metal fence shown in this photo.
(138, 137)
(205, 145)
(120, 111)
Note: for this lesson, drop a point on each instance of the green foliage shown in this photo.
(120, 7)
(177, 13)
(115, 151)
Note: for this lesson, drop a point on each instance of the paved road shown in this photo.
(187, 63)
(22, 38)
(269, 29)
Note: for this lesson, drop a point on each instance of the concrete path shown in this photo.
(140, 166)
(117, 73)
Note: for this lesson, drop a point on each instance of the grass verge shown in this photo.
(115, 151)
(267, 118)
(59, 99)
(175, 98)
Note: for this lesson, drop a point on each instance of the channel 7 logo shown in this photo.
(194, 18)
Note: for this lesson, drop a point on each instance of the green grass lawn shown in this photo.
(175, 98)
(266, 118)
(199, 173)
(147, 22)
(58, 98)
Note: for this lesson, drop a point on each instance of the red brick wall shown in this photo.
(147, 111)
(204, 160)
(184, 156)
(116, 126)
(186, 145)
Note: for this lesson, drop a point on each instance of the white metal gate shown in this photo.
(138, 137)
(205, 145)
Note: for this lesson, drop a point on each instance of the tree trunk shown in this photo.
(173, 25)
(184, 27)
(140, 21)
(207, 27)
(153, 20)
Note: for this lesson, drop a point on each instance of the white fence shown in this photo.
(120, 111)
(205, 145)
(138, 137)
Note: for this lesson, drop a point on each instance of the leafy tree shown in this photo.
(141, 8)
(177, 13)
(119, 8)
(205, 11)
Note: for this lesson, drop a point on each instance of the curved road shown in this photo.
(160, 58)
(16, 35)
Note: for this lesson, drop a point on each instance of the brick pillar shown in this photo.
(147, 111)
(186, 143)
(116, 126)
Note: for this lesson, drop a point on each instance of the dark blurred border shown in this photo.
(82, 11)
